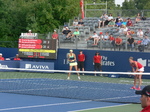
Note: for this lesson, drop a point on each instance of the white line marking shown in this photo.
(36, 106)
(99, 108)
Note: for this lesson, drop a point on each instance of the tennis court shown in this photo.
(51, 92)
(29, 103)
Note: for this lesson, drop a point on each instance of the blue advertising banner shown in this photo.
(37, 65)
(9, 64)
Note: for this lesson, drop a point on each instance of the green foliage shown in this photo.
(41, 16)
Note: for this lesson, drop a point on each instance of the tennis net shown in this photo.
(54, 83)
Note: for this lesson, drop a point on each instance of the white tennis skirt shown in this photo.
(73, 64)
(141, 69)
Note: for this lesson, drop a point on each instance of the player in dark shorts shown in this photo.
(97, 62)
(81, 59)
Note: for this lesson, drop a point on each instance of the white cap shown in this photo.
(71, 50)
(67, 27)
(29, 30)
(54, 30)
(0, 53)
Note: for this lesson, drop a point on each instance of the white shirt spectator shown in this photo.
(140, 33)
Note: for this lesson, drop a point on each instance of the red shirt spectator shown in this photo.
(129, 23)
(81, 57)
(97, 59)
(1, 58)
(118, 40)
(17, 57)
(111, 38)
(54, 35)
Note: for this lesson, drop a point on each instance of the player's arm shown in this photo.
(133, 70)
(74, 57)
(136, 66)
(68, 58)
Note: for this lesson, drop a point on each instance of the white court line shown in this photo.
(99, 107)
(45, 105)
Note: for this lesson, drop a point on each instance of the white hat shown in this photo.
(67, 27)
(54, 30)
(71, 50)
(0, 53)
(29, 30)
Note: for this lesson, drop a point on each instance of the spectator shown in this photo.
(111, 38)
(104, 18)
(118, 18)
(125, 29)
(138, 18)
(81, 59)
(147, 32)
(121, 29)
(144, 43)
(129, 32)
(111, 23)
(124, 22)
(67, 33)
(80, 23)
(130, 42)
(106, 36)
(140, 33)
(145, 98)
(76, 33)
(99, 22)
(54, 35)
(30, 33)
(118, 43)
(95, 38)
(75, 22)
(129, 22)
(97, 59)
(101, 35)
(119, 23)
(64, 28)
(17, 58)
(1, 58)
(110, 17)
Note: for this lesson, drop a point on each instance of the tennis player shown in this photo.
(136, 68)
(72, 63)
(97, 62)
(81, 59)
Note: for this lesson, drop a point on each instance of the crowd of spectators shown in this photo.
(122, 26)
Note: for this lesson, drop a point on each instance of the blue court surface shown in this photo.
(28, 103)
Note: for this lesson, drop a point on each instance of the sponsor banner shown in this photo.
(9, 64)
(37, 65)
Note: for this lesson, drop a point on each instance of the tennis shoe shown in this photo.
(79, 77)
(68, 78)
(138, 88)
(133, 87)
